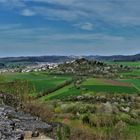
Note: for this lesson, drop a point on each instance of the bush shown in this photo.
(80, 133)
(57, 110)
(70, 108)
(85, 118)
(66, 130)
(102, 120)
(124, 117)
(2, 78)
(39, 109)
(78, 107)
(63, 132)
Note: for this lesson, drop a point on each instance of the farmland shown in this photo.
(92, 102)
(131, 64)
(69, 70)
(93, 85)
(135, 73)
(42, 81)
(109, 86)
(133, 82)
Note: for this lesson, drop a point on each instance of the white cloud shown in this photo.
(83, 14)
(85, 26)
(123, 12)
(17, 31)
(27, 12)
(42, 40)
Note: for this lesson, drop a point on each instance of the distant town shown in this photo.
(31, 68)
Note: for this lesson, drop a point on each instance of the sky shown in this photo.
(69, 27)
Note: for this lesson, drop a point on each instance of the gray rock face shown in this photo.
(15, 125)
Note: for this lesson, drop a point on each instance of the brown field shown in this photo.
(116, 83)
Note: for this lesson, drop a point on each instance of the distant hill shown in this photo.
(51, 59)
(116, 58)
(86, 67)
(55, 59)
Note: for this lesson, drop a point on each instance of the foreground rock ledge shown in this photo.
(16, 125)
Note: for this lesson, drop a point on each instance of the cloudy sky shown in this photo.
(69, 27)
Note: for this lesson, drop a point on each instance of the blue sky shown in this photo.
(69, 27)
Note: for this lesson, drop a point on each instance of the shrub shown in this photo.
(80, 133)
(71, 108)
(39, 109)
(78, 107)
(57, 110)
(102, 120)
(59, 133)
(85, 118)
(63, 132)
(66, 130)
(124, 117)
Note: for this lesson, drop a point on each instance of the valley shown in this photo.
(82, 94)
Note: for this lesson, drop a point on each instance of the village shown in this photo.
(80, 66)
(30, 68)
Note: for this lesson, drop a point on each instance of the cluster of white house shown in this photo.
(33, 68)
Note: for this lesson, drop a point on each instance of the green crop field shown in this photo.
(132, 64)
(62, 93)
(134, 82)
(90, 85)
(110, 89)
(41, 81)
(101, 85)
(94, 81)
(131, 74)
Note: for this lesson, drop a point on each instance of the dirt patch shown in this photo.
(116, 83)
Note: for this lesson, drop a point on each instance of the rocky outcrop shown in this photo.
(16, 125)
(9, 99)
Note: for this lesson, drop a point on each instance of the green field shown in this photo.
(62, 93)
(41, 81)
(93, 81)
(91, 85)
(134, 82)
(99, 85)
(134, 130)
(110, 89)
(131, 64)
(132, 74)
